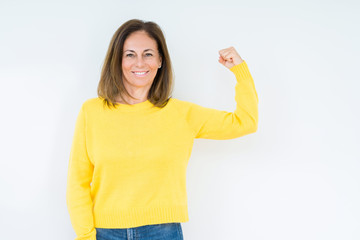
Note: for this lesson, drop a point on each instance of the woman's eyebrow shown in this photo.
(149, 49)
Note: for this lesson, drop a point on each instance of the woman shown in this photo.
(131, 146)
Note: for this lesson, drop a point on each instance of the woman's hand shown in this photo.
(229, 57)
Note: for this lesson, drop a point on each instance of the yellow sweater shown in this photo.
(127, 165)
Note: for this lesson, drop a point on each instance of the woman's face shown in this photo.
(140, 60)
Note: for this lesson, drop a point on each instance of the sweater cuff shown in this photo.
(241, 69)
(89, 236)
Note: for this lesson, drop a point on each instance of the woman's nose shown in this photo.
(140, 62)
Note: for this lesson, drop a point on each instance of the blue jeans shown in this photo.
(163, 231)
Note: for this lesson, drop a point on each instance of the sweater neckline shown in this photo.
(134, 107)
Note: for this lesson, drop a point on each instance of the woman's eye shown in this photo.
(129, 55)
(148, 54)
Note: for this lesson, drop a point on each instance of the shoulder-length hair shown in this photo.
(111, 80)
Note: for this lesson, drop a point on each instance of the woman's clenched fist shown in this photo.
(229, 57)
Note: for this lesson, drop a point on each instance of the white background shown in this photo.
(297, 177)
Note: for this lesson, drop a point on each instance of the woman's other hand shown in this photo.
(229, 57)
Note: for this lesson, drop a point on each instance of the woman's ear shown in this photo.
(160, 62)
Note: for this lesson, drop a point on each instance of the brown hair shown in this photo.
(111, 80)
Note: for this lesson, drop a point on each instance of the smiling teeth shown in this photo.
(139, 73)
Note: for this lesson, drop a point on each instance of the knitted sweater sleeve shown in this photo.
(217, 124)
(80, 171)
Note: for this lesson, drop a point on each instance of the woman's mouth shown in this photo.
(140, 73)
